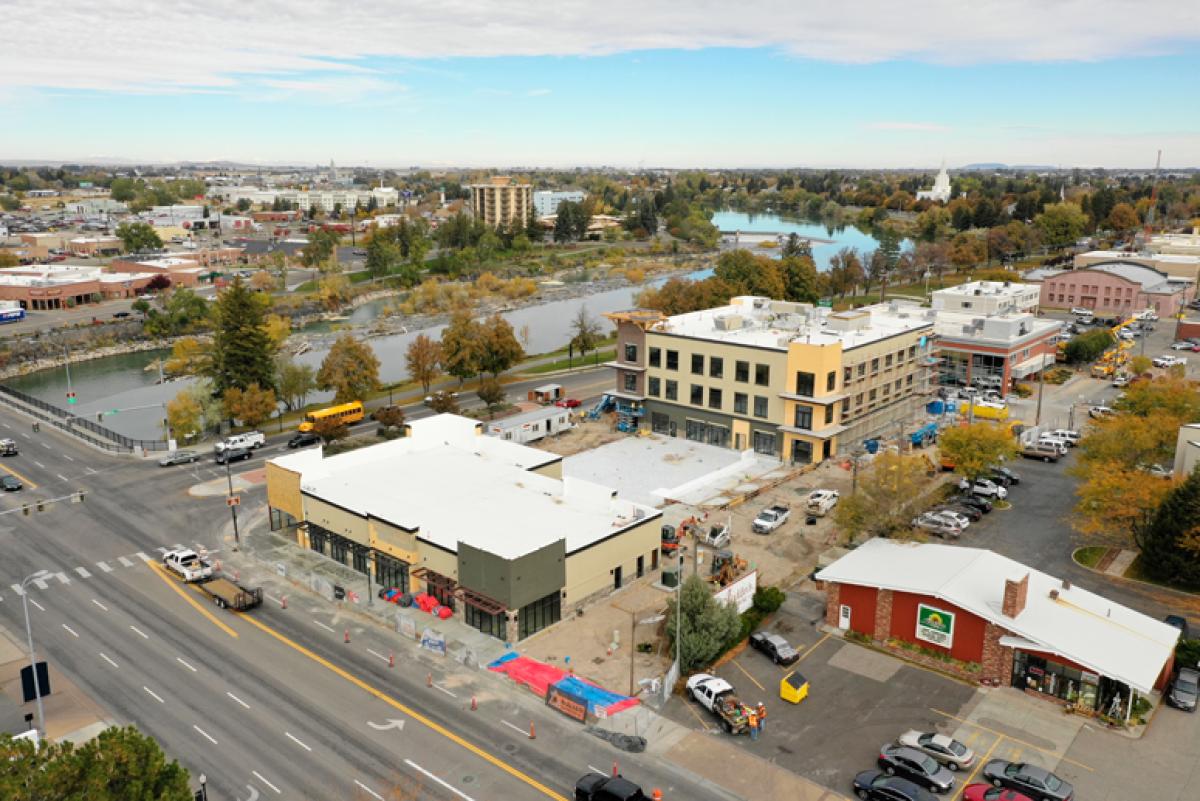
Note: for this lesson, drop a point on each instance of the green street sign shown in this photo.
(828, 304)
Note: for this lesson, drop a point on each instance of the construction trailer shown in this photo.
(547, 393)
(531, 426)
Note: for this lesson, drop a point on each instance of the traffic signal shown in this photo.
(41, 506)
(70, 397)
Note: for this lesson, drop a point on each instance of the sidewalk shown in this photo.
(70, 713)
(283, 568)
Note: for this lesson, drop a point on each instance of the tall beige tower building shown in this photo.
(501, 200)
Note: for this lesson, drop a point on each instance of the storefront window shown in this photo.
(538, 615)
(486, 622)
(1048, 677)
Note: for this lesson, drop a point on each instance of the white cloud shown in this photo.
(927, 127)
(538, 92)
(137, 45)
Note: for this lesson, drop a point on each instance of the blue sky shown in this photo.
(667, 91)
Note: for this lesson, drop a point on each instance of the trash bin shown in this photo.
(793, 687)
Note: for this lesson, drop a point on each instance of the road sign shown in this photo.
(825, 302)
(70, 397)
(27, 684)
(233, 500)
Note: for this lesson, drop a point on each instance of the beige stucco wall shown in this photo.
(776, 360)
(552, 470)
(590, 571)
(283, 491)
(438, 561)
(394, 541)
(339, 521)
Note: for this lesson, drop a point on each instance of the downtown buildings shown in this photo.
(501, 200)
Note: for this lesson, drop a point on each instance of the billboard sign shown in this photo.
(741, 592)
(935, 625)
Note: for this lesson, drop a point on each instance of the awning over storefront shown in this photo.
(1034, 365)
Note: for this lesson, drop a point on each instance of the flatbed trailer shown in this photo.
(228, 594)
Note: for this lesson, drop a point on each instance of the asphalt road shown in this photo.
(273, 703)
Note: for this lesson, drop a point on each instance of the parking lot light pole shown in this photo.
(37, 687)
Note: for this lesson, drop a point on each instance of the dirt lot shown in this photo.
(586, 435)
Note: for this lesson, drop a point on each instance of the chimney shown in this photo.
(1015, 593)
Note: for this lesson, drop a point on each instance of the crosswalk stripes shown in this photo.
(62, 578)
(17, 589)
(143, 557)
(125, 561)
(41, 584)
(104, 566)
(83, 573)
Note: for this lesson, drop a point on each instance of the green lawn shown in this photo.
(1090, 555)
(592, 359)
(1137, 572)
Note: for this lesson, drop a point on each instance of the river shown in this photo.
(122, 384)
(843, 237)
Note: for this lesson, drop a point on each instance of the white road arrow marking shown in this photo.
(391, 723)
(253, 793)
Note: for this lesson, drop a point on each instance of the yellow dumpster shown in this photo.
(793, 688)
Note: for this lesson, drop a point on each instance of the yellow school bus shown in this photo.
(344, 413)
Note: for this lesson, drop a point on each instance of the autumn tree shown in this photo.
(443, 402)
(189, 356)
(977, 448)
(350, 369)
(295, 381)
(262, 281)
(889, 490)
(498, 346)
(750, 274)
(330, 429)
(392, 417)
(8, 259)
(119, 764)
(279, 328)
(491, 392)
(801, 282)
(1140, 365)
(424, 361)
(183, 415)
(461, 346)
(1123, 218)
(320, 248)
(251, 405)
(242, 352)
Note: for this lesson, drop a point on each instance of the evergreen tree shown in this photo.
(243, 353)
(1170, 542)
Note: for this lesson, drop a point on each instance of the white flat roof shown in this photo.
(1085, 628)
(452, 485)
(1151, 257)
(766, 323)
(989, 289)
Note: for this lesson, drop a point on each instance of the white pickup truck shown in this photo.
(771, 518)
(821, 502)
(249, 440)
(188, 565)
(717, 696)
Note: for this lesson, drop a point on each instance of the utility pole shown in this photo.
(37, 689)
(678, 618)
(237, 541)
(1037, 420)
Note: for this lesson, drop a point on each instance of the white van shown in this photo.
(1057, 442)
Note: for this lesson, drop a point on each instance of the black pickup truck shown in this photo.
(598, 787)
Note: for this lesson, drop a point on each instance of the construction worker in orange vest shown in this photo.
(762, 715)
(752, 715)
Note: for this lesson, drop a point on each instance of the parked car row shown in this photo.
(923, 763)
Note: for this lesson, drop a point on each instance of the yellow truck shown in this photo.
(984, 410)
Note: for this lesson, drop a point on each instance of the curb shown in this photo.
(1164, 588)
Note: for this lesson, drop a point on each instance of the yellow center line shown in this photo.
(739, 667)
(1013, 739)
(804, 655)
(15, 474)
(387, 699)
(173, 584)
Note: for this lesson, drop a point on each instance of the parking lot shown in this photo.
(860, 699)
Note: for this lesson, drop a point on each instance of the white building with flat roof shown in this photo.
(545, 201)
(988, 297)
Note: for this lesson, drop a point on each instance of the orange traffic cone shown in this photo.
(656, 795)
(532, 733)
(474, 704)
(429, 680)
(283, 602)
(391, 660)
(616, 769)
(347, 636)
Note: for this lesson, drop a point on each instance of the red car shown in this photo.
(568, 403)
(986, 792)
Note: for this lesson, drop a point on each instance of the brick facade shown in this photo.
(832, 604)
(1015, 595)
(883, 615)
(997, 662)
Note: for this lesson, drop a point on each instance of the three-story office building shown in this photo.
(785, 379)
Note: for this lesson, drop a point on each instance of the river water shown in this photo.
(843, 237)
(122, 382)
(121, 388)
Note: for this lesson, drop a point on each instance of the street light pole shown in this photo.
(232, 509)
(37, 687)
(203, 787)
(679, 618)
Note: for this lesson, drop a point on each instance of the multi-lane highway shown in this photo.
(274, 703)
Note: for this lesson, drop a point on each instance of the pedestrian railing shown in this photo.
(100, 436)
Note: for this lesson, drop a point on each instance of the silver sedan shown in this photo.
(946, 750)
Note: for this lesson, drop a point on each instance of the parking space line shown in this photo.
(702, 721)
(812, 648)
(979, 765)
(1004, 736)
(747, 674)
